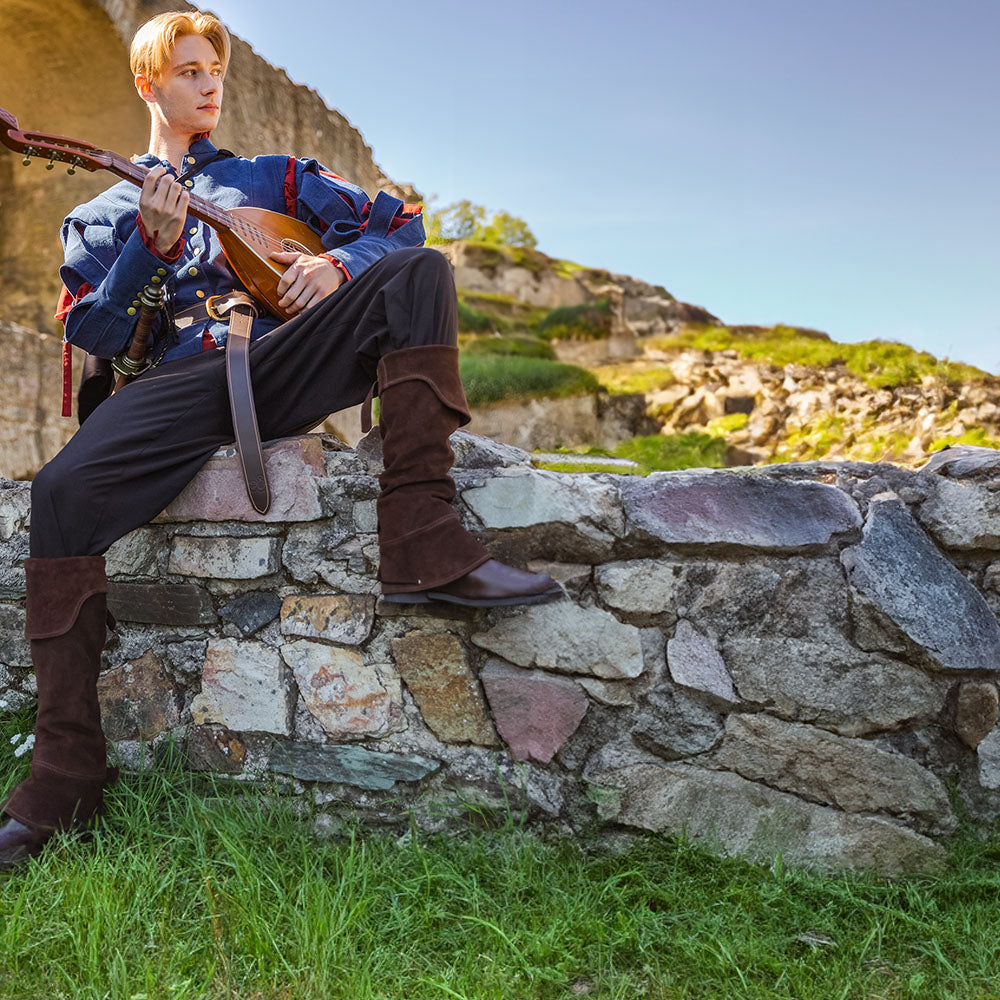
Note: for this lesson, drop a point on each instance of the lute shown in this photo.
(248, 235)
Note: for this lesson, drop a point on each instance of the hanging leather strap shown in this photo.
(241, 316)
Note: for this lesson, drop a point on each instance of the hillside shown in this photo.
(712, 394)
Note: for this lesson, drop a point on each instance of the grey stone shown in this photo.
(899, 569)
(243, 687)
(611, 693)
(13, 552)
(15, 650)
(639, 585)
(15, 508)
(341, 618)
(962, 515)
(976, 710)
(160, 603)
(330, 551)
(736, 509)
(564, 637)
(472, 451)
(673, 724)
(252, 611)
(695, 663)
(186, 658)
(988, 753)
(527, 498)
(142, 552)
(224, 558)
(850, 774)
(962, 460)
(349, 765)
(831, 684)
(347, 696)
(733, 816)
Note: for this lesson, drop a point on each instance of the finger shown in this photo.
(292, 289)
(287, 279)
(286, 256)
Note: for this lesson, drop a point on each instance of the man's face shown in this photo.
(189, 92)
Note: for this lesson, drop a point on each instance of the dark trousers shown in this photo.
(142, 446)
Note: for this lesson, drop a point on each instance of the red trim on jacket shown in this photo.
(66, 302)
(171, 256)
(337, 262)
(291, 190)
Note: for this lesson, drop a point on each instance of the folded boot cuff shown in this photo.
(57, 590)
(436, 365)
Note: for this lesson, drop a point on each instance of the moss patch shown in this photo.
(492, 378)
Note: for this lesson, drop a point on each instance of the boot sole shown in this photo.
(427, 596)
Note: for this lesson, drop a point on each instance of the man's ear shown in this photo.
(144, 88)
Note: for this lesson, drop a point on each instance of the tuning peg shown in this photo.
(51, 163)
(26, 161)
(72, 169)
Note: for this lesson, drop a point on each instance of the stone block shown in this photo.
(673, 724)
(436, 669)
(218, 492)
(224, 558)
(565, 637)
(851, 774)
(831, 684)
(733, 816)
(15, 508)
(346, 695)
(160, 603)
(962, 515)
(142, 552)
(330, 551)
(13, 552)
(976, 710)
(138, 700)
(15, 650)
(535, 712)
(243, 687)
(736, 510)
(473, 451)
(900, 570)
(988, 753)
(644, 586)
(250, 612)
(216, 748)
(695, 663)
(342, 618)
(528, 498)
(349, 765)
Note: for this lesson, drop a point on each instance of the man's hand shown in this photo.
(307, 280)
(163, 206)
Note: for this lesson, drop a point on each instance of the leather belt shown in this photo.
(239, 310)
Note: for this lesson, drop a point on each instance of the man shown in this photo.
(374, 311)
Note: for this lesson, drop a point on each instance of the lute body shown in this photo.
(247, 235)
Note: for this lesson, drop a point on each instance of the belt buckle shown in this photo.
(210, 309)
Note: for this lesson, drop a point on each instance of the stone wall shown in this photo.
(800, 659)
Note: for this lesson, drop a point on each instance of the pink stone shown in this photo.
(218, 492)
(535, 712)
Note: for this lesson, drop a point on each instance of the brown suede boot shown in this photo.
(66, 622)
(426, 554)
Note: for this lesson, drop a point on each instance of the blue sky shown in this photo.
(824, 165)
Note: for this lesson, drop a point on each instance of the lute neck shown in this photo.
(201, 209)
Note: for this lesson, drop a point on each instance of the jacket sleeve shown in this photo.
(355, 230)
(104, 276)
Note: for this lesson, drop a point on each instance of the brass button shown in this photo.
(161, 271)
(193, 230)
(192, 271)
(189, 184)
(190, 159)
(156, 279)
(200, 294)
(131, 310)
(135, 302)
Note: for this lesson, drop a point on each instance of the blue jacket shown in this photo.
(107, 262)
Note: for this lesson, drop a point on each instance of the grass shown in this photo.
(195, 890)
(527, 347)
(880, 363)
(630, 377)
(491, 378)
(655, 453)
(586, 322)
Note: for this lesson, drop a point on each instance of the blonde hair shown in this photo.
(149, 55)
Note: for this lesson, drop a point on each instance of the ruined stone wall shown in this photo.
(800, 659)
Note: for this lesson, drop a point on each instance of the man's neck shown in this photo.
(169, 146)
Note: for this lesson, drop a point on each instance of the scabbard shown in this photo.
(242, 406)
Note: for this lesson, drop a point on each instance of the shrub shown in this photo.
(490, 378)
(587, 322)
